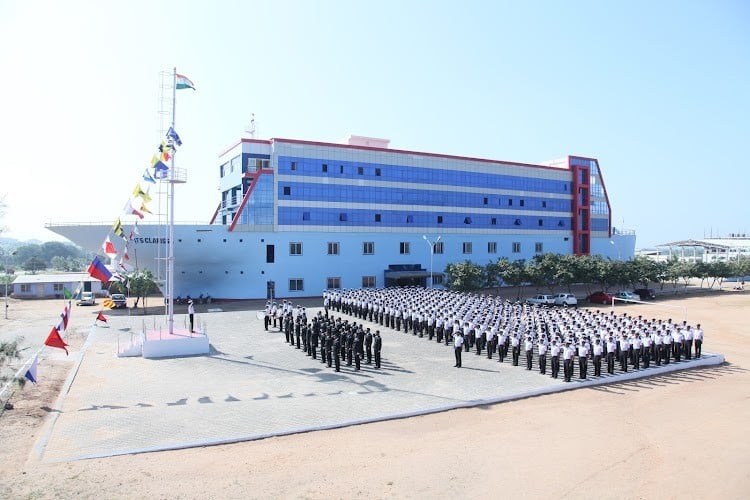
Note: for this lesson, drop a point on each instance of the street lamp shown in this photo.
(431, 244)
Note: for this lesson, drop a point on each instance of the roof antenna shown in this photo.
(250, 129)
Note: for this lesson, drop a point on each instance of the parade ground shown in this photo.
(262, 398)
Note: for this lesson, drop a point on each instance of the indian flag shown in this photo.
(183, 82)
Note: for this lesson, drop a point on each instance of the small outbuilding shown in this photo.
(52, 286)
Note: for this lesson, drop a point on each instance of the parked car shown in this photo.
(627, 296)
(541, 300)
(566, 299)
(645, 293)
(119, 300)
(600, 298)
(87, 299)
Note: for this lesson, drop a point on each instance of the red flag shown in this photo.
(64, 316)
(99, 271)
(109, 248)
(54, 340)
(100, 317)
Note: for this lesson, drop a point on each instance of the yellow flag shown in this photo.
(140, 193)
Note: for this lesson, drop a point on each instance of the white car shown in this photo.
(566, 299)
(87, 299)
(627, 296)
(541, 300)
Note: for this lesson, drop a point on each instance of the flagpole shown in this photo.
(170, 237)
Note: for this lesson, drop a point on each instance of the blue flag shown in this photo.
(172, 134)
(98, 270)
(31, 372)
(147, 177)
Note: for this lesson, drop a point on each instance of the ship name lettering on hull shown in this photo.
(151, 240)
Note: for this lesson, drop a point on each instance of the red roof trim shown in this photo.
(216, 212)
(246, 198)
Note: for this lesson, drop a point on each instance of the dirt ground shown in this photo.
(682, 435)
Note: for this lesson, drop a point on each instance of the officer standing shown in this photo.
(329, 349)
(598, 350)
(646, 350)
(624, 346)
(191, 314)
(378, 347)
(516, 347)
(542, 356)
(349, 347)
(458, 342)
(583, 353)
(568, 362)
(555, 358)
(314, 344)
(529, 352)
(698, 339)
(358, 348)
(298, 330)
(336, 349)
(368, 346)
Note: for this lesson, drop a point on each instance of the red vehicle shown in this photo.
(600, 298)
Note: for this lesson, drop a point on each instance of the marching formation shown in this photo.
(333, 340)
(492, 326)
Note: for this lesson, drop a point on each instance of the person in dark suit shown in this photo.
(368, 346)
(358, 348)
(314, 344)
(378, 344)
(336, 349)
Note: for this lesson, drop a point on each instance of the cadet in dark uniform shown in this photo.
(287, 329)
(329, 349)
(298, 330)
(336, 350)
(358, 348)
(378, 346)
(349, 347)
(368, 346)
(314, 344)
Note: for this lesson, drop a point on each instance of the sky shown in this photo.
(658, 92)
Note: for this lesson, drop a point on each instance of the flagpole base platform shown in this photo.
(162, 344)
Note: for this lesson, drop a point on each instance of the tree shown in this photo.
(34, 264)
(59, 263)
(142, 284)
(495, 272)
(719, 271)
(516, 275)
(465, 276)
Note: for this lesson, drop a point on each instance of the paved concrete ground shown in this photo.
(254, 385)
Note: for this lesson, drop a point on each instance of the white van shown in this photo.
(87, 299)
